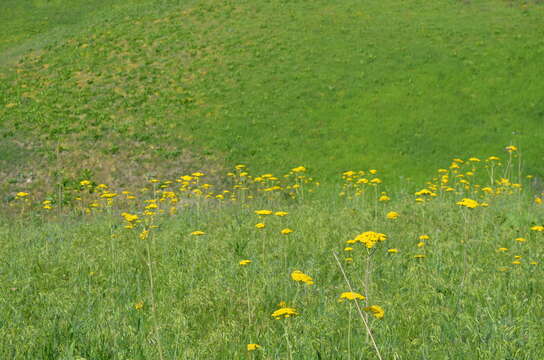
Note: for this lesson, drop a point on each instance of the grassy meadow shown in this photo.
(184, 269)
(129, 228)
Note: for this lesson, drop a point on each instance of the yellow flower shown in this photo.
(468, 203)
(538, 201)
(284, 312)
(253, 347)
(263, 212)
(286, 231)
(129, 217)
(85, 183)
(419, 256)
(260, 225)
(244, 262)
(298, 169)
(281, 213)
(239, 167)
(392, 215)
(144, 234)
(376, 181)
(198, 233)
(537, 228)
(348, 248)
(502, 249)
(393, 251)
(511, 148)
(384, 198)
(370, 238)
(351, 295)
(521, 240)
(420, 244)
(22, 194)
(299, 276)
(139, 305)
(474, 159)
(516, 262)
(376, 311)
(424, 237)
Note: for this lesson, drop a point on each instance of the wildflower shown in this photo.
(348, 248)
(351, 295)
(129, 217)
(516, 262)
(239, 167)
(533, 263)
(511, 148)
(298, 169)
(244, 262)
(423, 192)
(420, 256)
(502, 249)
(22, 194)
(198, 233)
(376, 181)
(348, 260)
(284, 312)
(393, 251)
(537, 228)
(281, 213)
(503, 268)
(139, 305)
(260, 225)
(474, 159)
(392, 215)
(521, 240)
(424, 237)
(299, 276)
(144, 234)
(197, 174)
(538, 201)
(370, 238)
(286, 231)
(263, 212)
(420, 244)
(253, 347)
(376, 311)
(84, 183)
(468, 203)
(384, 198)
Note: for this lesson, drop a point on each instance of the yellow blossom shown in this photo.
(299, 276)
(537, 228)
(392, 215)
(139, 305)
(511, 148)
(420, 244)
(260, 225)
(281, 213)
(284, 312)
(502, 249)
(263, 212)
(384, 198)
(424, 237)
(244, 262)
(376, 311)
(253, 347)
(198, 233)
(351, 295)
(468, 203)
(370, 238)
(521, 240)
(22, 194)
(420, 256)
(286, 231)
(393, 251)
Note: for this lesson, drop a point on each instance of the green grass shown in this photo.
(399, 84)
(71, 282)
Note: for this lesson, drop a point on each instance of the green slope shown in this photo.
(397, 85)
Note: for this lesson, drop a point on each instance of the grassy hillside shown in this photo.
(402, 85)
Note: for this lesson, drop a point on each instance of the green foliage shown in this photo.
(328, 85)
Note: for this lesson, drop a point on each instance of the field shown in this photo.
(271, 180)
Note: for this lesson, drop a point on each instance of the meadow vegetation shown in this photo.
(127, 231)
(269, 267)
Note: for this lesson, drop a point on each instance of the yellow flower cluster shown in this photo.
(299, 276)
(368, 238)
(284, 312)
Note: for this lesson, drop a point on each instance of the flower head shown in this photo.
(392, 215)
(286, 231)
(284, 312)
(253, 347)
(244, 262)
(198, 233)
(376, 311)
(370, 238)
(299, 276)
(263, 212)
(468, 203)
(350, 295)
